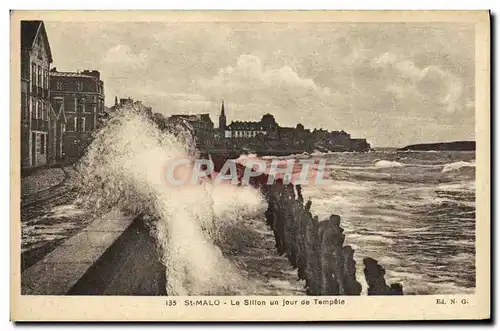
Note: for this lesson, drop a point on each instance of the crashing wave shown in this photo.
(388, 164)
(457, 165)
(125, 168)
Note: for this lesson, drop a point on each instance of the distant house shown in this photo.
(240, 129)
(247, 129)
(267, 134)
(36, 58)
(80, 97)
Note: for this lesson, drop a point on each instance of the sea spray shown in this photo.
(123, 169)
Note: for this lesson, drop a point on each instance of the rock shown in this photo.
(445, 146)
(374, 275)
(351, 285)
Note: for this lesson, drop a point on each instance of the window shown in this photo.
(39, 81)
(40, 48)
(33, 74)
(24, 105)
(75, 124)
(42, 78)
(59, 85)
(58, 105)
(79, 86)
(42, 144)
(83, 124)
(63, 128)
(70, 127)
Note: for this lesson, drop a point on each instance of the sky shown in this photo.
(392, 83)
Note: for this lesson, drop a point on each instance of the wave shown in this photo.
(124, 168)
(388, 164)
(468, 186)
(458, 165)
(303, 155)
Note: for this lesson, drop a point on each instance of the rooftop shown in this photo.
(69, 74)
(29, 32)
(83, 74)
(239, 125)
(196, 117)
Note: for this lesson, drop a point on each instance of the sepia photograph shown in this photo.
(220, 159)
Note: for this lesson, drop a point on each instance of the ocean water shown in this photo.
(412, 211)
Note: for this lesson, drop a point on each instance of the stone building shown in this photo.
(244, 129)
(267, 126)
(80, 97)
(36, 58)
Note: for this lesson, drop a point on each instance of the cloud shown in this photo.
(250, 74)
(123, 54)
(383, 60)
(250, 81)
(438, 91)
(393, 83)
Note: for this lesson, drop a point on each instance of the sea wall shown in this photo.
(316, 249)
(113, 255)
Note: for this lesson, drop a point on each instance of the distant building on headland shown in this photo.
(36, 58)
(261, 136)
(79, 98)
(268, 134)
(240, 129)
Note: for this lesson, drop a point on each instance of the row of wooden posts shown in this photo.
(316, 248)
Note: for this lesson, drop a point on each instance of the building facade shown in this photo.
(267, 126)
(80, 97)
(57, 128)
(36, 58)
(239, 130)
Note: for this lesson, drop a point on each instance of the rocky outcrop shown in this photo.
(447, 146)
(316, 249)
(374, 275)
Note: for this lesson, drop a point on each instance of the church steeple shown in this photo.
(222, 119)
(116, 100)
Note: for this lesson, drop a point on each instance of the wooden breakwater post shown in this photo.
(316, 249)
(374, 275)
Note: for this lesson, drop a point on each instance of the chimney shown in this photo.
(93, 73)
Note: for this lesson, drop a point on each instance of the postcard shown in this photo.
(250, 165)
